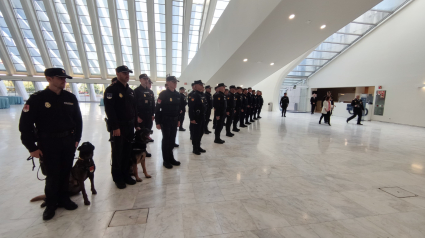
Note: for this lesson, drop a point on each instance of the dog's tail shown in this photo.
(38, 198)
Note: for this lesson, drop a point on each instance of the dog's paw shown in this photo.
(93, 191)
(87, 202)
(138, 179)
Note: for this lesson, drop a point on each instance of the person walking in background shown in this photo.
(313, 102)
(326, 111)
(358, 109)
(284, 102)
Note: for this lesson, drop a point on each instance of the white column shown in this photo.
(208, 16)
(3, 89)
(20, 88)
(92, 92)
(38, 86)
(152, 43)
(74, 88)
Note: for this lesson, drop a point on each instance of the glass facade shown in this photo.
(125, 34)
(11, 47)
(177, 37)
(341, 40)
(143, 36)
(219, 9)
(195, 25)
(160, 38)
(107, 36)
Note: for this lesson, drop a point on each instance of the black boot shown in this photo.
(49, 212)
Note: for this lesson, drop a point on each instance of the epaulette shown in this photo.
(36, 93)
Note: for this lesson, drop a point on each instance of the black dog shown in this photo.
(84, 168)
(138, 153)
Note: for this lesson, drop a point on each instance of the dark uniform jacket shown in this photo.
(313, 100)
(359, 104)
(145, 101)
(183, 102)
(167, 106)
(208, 96)
(231, 102)
(260, 101)
(197, 107)
(120, 105)
(238, 101)
(244, 101)
(220, 104)
(284, 101)
(51, 113)
(254, 101)
(249, 99)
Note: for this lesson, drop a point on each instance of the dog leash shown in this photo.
(33, 167)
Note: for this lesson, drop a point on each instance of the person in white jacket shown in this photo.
(326, 111)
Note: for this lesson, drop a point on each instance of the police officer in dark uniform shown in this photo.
(214, 119)
(145, 104)
(358, 109)
(197, 112)
(237, 109)
(209, 100)
(183, 103)
(121, 110)
(167, 113)
(260, 103)
(244, 104)
(284, 102)
(57, 131)
(254, 106)
(220, 105)
(149, 86)
(248, 113)
(230, 110)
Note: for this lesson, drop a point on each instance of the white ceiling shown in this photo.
(275, 39)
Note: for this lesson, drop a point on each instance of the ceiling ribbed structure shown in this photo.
(90, 38)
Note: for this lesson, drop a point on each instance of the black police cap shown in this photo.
(193, 84)
(208, 86)
(123, 68)
(172, 78)
(238, 88)
(198, 82)
(52, 72)
(232, 86)
(215, 88)
(182, 88)
(143, 76)
(221, 85)
(245, 89)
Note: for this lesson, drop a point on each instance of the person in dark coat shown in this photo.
(358, 109)
(197, 112)
(183, 103)
(208, 97)
(220, 105)
(260, 103)
(313, 102)
(284, 102)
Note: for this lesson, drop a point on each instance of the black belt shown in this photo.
(125, 123)
(55, 134)
(170, 118)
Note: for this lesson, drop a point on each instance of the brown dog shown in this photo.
(138, 153)
(84, 168)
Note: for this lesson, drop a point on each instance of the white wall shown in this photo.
(392, 56)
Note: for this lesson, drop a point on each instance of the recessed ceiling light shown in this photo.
(245, 60)
(272, 64)
(323, 27)
(292, 16)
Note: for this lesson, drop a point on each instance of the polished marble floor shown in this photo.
(280, 177)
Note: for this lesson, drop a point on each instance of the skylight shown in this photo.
(107, 36)
(143, 36)
(11, 46)
(160, 37)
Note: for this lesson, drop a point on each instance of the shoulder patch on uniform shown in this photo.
(159, 101)
(218, 98)
(193, 99)
(109, 95)
(26, 108)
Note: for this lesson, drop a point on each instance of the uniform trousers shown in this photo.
(58, 157)
(236, 118)
(259, 110)
(121, 152)
(254, 112)
(207, 119)
(169, 131)
(219, 126)
(284, 111)
(242, 117)
(313, 106)
(146, 121)
(196, 132)
(229, 120)
(356, 112)
(182, 118)
(247, 114)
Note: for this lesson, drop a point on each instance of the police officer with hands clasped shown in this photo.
(230, 110)
(145, 104)
(183, 103)
(209, 99)
(167, 114)
(58, 126)
(197, 113)
(220, 105)
(121, 110)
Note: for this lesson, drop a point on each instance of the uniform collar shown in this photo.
(122, 85)
(53, 93)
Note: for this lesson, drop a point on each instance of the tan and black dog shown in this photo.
(84, 168)
(138, 153)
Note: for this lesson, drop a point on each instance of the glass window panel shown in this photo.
(11, 46)
(124, 31)
(389, 5)
(354, 28)
(87, 34)
(372, 17)
(28, 36)
(177, 35)
(160, 31)
(195, 24)
(107, 35)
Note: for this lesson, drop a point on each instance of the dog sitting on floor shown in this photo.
(84, 168)
(138, 153)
